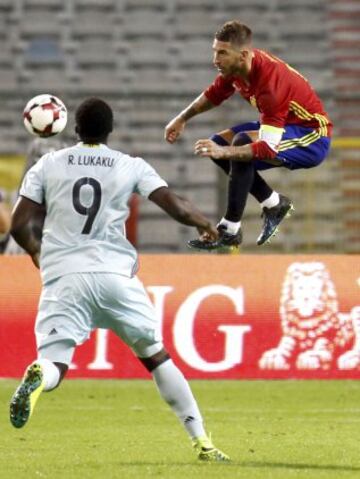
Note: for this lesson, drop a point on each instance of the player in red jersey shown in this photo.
(293, 130)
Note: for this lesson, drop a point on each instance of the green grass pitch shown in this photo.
(121, 429)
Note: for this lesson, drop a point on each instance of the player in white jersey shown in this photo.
(88, 267)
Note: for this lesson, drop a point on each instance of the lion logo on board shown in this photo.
(313, 329)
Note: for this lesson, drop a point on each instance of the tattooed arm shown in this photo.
(176, 126)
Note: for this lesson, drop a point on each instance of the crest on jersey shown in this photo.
(252, 101)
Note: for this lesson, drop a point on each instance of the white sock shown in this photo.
(273, 200)
(51, 373)
(232, 227)
(175, 390)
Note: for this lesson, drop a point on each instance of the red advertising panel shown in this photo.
(235, 317)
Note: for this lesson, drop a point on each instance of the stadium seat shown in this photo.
(194, 53)
(257, 6)
(108, 5)
(151, 233)
(195, 24)
(93, 24)
(6, 5)
(149, 59)
(6, 56)
(293, 26)
(195, 5)
(102, 82)
(152, 24)
(200, 173)
(95, 53)
(9, 81)
(147, 113)
(153, 81)
(43, 23)
(144, 54)
(38, 80)
(145, 5)
(43, 51)
(194, 81)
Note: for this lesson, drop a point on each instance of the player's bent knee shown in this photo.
(241, 139)
(224, 137)
(219, 140)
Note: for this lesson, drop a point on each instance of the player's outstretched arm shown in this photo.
(183, 211)
(27, 221)
(176, 126)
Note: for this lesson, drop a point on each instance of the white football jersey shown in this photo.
(86, 190)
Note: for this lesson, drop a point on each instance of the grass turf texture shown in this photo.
(121, 429)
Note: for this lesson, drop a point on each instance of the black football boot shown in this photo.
(273, 217)
(225, 243)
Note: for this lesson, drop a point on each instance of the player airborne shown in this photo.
(88, 266)
(293, 131)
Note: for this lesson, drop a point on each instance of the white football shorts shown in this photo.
(73, 305)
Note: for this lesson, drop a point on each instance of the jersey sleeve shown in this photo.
(220, 90)
(33, 184)
(148, 180)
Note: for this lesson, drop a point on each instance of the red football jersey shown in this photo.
(280, 93)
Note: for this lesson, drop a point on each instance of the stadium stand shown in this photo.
(149, 58)
(344, 17)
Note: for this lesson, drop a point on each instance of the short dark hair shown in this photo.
(94, 120)
(234, 32)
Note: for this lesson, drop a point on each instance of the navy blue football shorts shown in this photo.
(299, 147)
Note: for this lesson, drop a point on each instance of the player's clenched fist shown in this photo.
(174, 129)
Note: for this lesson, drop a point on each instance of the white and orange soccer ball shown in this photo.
(45, 116)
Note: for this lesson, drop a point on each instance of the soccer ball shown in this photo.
(45, 115)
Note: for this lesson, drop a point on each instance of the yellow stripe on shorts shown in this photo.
(303, 141)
